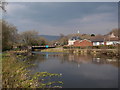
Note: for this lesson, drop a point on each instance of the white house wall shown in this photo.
(98, 43)
(109, 43)
(102, 43)
(112, 42)
(71, 42)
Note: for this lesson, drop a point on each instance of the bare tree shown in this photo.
(3, 3)
(9, 35)
(32, 38)
(115, 31)
(28, 37)
(63, 39)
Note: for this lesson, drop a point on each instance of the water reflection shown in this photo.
(79, 71)
(74, 58)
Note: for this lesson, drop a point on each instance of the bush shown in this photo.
(111, 46)
(92, 47)
(16, 49)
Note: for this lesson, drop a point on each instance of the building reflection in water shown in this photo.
(76, 58)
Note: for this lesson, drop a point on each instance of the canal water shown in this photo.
(78, 71)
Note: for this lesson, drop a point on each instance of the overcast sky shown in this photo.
(53, 18)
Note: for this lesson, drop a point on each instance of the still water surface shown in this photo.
(78, 71)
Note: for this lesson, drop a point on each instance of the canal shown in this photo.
(78, 71)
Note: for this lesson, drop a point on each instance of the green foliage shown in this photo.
(16, 49)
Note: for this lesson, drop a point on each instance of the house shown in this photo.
(112, 41)
(83, 42)
(73, 39)
(95, 41)
(98, 40)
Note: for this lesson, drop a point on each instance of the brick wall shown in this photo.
(83, 43)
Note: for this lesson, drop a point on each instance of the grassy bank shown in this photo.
(16, 75)
(108, 52)
(53, 50)
(0, 70)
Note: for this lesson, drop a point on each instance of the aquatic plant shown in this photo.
(16, 75)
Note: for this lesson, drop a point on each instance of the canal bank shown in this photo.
(108, 52)
(15, 73)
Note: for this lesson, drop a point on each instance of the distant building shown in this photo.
(83, 42)
(73, 39)
(95, 41)
(112, 41)
(98, 40)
